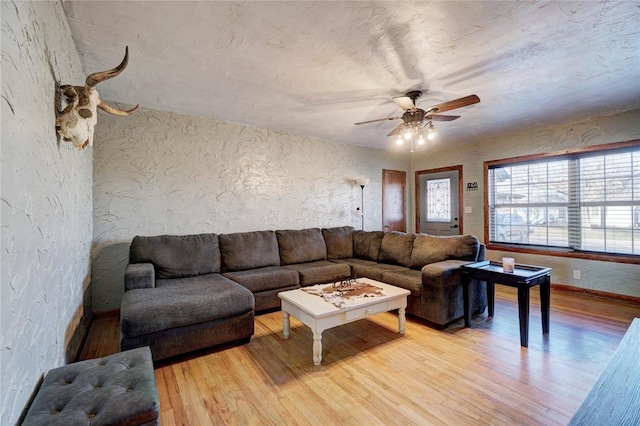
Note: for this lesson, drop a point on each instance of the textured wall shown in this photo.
(46, 202)
(165, 173)
(603, 276)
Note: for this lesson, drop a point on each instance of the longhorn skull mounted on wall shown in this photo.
(75, 123)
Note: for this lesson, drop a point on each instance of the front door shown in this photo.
(438, 195)
(393, 200)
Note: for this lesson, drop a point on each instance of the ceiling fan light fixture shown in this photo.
(411, 128)
(431, 131)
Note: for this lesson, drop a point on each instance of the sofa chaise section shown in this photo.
(175, 299)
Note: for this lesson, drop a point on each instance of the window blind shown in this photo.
(582, 202)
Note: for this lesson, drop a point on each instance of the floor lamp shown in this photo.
(360, 211)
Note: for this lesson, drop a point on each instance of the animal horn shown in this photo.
(116, 111)
(97, 77)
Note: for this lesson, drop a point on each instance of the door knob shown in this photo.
(453, 226)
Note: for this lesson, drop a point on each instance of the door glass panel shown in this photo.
(438, 197)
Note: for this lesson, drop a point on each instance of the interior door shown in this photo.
(438, 195)
(393, 200)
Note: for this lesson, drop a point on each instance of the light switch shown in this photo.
(468, 209)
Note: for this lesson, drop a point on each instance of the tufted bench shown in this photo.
(119, 389)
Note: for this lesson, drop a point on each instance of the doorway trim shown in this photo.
(417, 193)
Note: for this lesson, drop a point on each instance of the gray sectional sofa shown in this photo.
(184, 293)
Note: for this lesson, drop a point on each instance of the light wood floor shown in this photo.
(372, 375)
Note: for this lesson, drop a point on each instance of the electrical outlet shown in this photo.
(577, 274)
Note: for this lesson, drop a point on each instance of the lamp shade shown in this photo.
(362, 181)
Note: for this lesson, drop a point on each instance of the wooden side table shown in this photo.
(523, 278)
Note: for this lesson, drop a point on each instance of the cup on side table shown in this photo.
(508, 264)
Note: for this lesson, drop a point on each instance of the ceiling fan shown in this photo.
(415, 119)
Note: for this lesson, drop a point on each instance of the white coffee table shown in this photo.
(319, 315)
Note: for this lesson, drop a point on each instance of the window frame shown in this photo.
(553, 251)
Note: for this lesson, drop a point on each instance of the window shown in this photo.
(582, 202)
(438, 200)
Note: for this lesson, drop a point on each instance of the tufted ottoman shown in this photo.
(119, 389)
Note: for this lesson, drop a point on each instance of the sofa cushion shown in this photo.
(376, 271)
(320, 271)
(409, 279)
(248, 250)
(339, 242)
(430, 248)
(299, 246)
(366, 244)
(396, 248)
(267, 278)
(177, 256)
(180, 302)
(354, 263)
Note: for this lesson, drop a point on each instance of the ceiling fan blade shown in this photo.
(441, 117)
(405, 103)
(396, 130)
(379, 119)
(457, 103)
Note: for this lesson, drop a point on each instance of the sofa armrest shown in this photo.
(482, 251)
(139, 275)
(445, 273)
